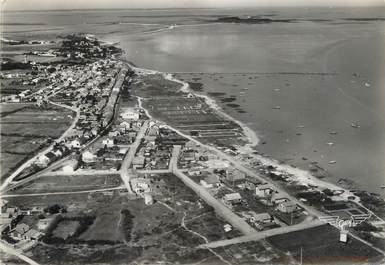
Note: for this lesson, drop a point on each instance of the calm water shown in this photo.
(310, 105)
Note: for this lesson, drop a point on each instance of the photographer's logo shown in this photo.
(345, 223)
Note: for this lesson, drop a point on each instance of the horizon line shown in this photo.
(176, 8)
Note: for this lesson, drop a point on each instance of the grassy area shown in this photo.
(259, 252)
(25, 129)
(320, 245)
(123, 230)
(66, 228)
(155, 86)
(68, 183)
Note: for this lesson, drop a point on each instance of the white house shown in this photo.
(42, 161)
(264, 190)
(287, 207)
(210, 182)
(108, 142)
(148, 199)
(88, 157)
(130, 114)
(232, 198)
(75, 144)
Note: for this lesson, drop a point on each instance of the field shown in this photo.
(14, 86)
(69, 183)
(321, 245)
(122, 229)
(259, 252)
(66, 228)
(185, 112)
(25, 129)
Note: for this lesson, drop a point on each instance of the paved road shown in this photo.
(153, 171)
(255, 236)
(249, 172)
(12, 251)
(127, 160)
(219, 207)
(81, 172)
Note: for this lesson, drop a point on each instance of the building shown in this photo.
(138, 162)
(108, 142)
(211, 181)
(257, 218)
(32, 235)
(232, 199)
(227, 227)
(20, 230)
(148, 199)
(264, 190)
(344, 236)
(75, 144)
(234, 175)
(42, 161)
(129, 114)
(250, 184)
(287, 207)
(277, 198)
(88, 157)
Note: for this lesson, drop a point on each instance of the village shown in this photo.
(134, 166)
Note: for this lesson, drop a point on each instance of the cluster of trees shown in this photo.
(127, 223)
(84, 222)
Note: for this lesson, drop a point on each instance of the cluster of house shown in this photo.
(113, 147)
(261, 221)
(11, 225)
(90, 93)
(217, 176)
(79, 46)
(153, 154)
(57, 152)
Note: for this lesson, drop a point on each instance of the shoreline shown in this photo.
(300, 175)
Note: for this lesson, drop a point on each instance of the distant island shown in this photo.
(252, 20)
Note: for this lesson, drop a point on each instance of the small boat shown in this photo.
(355, 125)
(277, 107)
(332, 162)
(301, 126)
(383, 187)
(245, 88)
(333, 132)
(330, 144)
(367, 84)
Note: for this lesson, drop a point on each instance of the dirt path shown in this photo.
(9, 250)
(203, 237)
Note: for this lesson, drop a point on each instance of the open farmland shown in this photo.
(25, 129)
(185, 112)
(123, 229)
(69, 183)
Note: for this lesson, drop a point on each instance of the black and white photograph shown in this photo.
(192, 132)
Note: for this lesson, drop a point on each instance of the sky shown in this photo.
(85, 4)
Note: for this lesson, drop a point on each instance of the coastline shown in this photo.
(296, 174)
(300, 175)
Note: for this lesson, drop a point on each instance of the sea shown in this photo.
(313, 89)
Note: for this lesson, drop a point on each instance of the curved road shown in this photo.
(8, 180)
